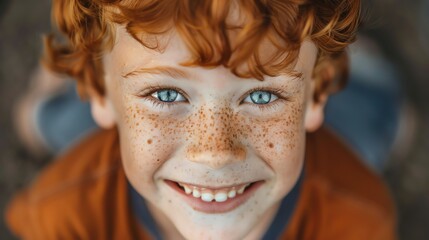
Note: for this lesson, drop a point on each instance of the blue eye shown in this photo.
(260, 97)
(168, 95)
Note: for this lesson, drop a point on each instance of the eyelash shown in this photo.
(149, 91)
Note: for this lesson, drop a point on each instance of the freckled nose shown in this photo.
(214, 140)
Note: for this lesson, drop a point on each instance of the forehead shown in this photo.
(129, 54)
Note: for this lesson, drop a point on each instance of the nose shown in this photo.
(214, 140)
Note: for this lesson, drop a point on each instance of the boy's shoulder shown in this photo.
(341, 197)
(69, 197)
(343, 171)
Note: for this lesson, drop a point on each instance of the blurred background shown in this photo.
(399, 30)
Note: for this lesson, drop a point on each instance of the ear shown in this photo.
(314, 114)
(102, 112)
(323, 78)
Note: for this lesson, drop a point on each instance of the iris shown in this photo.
(167, 95)
(260, 97)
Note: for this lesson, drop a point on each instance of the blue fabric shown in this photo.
(366, 118)
(276, 229)
(62, 119)
(366, 113)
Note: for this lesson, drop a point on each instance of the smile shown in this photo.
(218, 195)
(215, 200)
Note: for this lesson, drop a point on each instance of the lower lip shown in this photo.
(216, 207)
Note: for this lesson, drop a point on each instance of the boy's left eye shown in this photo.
(260, 97)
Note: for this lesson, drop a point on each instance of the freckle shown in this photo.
(149, 141)
(271, 145)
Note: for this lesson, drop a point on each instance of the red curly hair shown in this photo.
(89, 26)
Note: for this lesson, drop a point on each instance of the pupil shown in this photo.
(260, 97)
(167, 95)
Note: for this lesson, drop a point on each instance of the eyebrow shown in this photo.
(163, 70)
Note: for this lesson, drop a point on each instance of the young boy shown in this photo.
(206, 106)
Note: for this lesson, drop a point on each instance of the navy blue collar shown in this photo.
(276, 229)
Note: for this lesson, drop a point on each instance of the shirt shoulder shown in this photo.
(341, 197)
(81, 195)
(342, 170)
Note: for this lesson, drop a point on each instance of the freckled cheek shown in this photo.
(282, 149)
(279, 140)
(147, 141)
(278, 143)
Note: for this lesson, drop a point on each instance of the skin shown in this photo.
(215, 137)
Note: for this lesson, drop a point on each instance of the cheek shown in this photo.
(280, 140)
(146, 140)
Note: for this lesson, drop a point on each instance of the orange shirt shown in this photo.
(84, 195)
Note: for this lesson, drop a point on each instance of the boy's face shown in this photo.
(188, 131)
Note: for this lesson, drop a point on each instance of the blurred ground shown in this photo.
(397, 27)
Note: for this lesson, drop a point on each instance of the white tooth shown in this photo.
(196, 193)
(221, 197)
(207, 197)
(241, 190)
(187, 189)
(180, 184)
(232, 193)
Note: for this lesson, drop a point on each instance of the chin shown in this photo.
(233, 231)
(232, 225)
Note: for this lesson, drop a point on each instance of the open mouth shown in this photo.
(214, 200)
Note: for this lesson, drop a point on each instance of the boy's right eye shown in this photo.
(168, 95)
